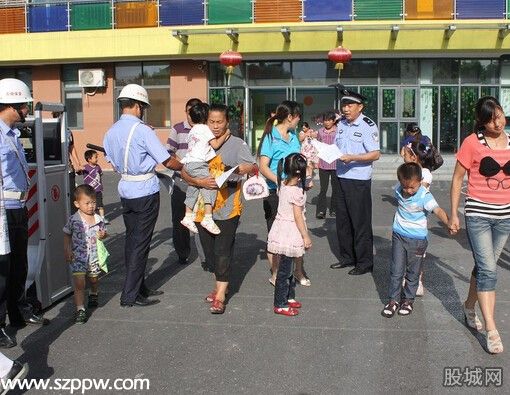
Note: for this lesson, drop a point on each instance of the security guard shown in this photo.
(14, 98)
(358, 140)
(134, 150)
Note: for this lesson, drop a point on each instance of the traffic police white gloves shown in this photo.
(14, 91)
(135, 92)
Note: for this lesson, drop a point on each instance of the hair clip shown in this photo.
(275, 122)
(298, 171)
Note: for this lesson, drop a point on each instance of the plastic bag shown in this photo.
(255, 188)
(102, 255)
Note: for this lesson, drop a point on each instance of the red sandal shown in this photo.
(288, 311)
(217, 307)
(211, 297)
(294, 304)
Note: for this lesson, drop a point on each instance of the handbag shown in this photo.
(255, 187)
(102, 255)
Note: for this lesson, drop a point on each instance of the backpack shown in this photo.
(437, 159)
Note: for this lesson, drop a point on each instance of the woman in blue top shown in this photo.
(277, 142)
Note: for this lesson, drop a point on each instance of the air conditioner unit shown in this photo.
(91, 78)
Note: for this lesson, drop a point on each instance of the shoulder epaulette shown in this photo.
(368, 121)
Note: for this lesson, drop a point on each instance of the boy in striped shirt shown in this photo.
(409, 239)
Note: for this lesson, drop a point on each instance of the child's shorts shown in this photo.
(91, 269)
(99, 200)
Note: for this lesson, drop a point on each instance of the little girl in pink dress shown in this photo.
(289, 237)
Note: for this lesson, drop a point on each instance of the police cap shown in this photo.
(350, 97)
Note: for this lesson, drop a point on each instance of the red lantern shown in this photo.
(340, 55)
(230, 59)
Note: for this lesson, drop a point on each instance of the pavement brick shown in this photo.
(339, 344)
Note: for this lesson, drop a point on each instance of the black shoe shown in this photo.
(183, 261)
(6, 341)
(37, 320)
(320, 215)
(357, 272)
(17, 372)
(80, 317)
(340, 265)
(93, 301)
(151, 292)
(140, 301)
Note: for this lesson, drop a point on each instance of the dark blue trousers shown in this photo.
(140, 216)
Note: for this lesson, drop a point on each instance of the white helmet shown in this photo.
(14, 91)
(135, 92)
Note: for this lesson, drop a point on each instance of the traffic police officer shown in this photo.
(358, 140)
(134, 150)
(14, 98)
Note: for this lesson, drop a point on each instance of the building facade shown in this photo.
(424, 61)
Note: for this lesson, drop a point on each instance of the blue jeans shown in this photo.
(487, 237)
(285, 287)
(407, 259)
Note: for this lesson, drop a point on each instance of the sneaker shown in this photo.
(320, 215)
(420, 291)
(188, 223)
(93, 301)
(80, 317)
(209, 225)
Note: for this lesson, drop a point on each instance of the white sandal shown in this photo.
(472, 319)
(494, 345)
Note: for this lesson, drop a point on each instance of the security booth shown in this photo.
(45, 142)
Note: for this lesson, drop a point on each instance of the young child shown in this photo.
(306, 136)
(327, 171)
(92, 175)
(289, 236)
(409, 239)
(80, 235)
(420, 151)
(201, 146)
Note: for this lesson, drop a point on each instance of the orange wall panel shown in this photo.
(136, 14)
(12, 20)
(278, 11)
(429, 9)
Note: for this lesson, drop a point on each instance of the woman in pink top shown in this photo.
(485, 157)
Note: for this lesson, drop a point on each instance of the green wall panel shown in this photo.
(91, 16)
(229, 11)
(377, 9)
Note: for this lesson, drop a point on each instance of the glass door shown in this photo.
(398, 108)
(314, 102)
(262, 102)
(388, 125)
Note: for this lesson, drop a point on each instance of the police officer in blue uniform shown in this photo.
(14, 98)
(134, 150)
(358, 139)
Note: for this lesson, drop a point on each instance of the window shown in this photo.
(72, 96)
(153, 76)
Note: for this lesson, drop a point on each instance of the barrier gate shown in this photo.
(48, 203)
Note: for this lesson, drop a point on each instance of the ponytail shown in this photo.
(284, 109)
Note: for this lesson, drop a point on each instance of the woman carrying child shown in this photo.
(485, 157)
(289, 237)
(201, 146)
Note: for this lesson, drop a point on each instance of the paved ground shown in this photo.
(339, 344)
